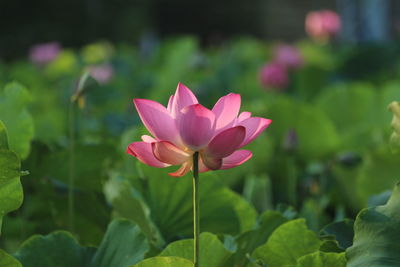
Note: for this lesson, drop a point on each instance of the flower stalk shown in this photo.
(71, 166)
(196, 210)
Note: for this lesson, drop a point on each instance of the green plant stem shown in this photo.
(71, 169)
(196, 210)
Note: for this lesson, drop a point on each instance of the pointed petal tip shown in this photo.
(157, 120)
(143, 152)
(265, 123)
(254, 127)
(226, 111)
(182, 98)
(134, 100)
(234, 95)
(140, 101)
(181, 87)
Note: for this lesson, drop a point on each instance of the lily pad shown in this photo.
(165, 262)
(322, 259)
(376, 235)
(212, 251)
(6, 260)
(287, 244)
(14, 114)
(11, 194)
(250, 240)
(222, 211)
(123, 245)
(342, 231)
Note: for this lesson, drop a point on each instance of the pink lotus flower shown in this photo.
(186, 127)
(41, 54)
(322, 25)
(274, 75)
(288, 56)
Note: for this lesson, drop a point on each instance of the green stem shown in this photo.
(196, 210)
(71, 174)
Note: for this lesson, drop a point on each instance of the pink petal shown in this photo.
(148, 139)
(144, 152)
(226, 142)
(196, 126)
(244, 115)
(237, 158)
(211, 163)
(157, 120)
(170, 101)
(226, 111)
(183, 97)
(169, 153)
(202, 166)
(184, 169)
(254, 126)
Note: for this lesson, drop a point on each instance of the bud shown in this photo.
(288, 56)
(84, 84)
(274, 76)
(322, 25)
(349, 159)
(290, 143)
(42, 54)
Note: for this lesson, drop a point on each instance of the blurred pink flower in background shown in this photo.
(288, 56)
(102, 73)
(274, 75)
(322, 25)
(44, 53)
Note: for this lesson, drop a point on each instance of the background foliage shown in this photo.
(324, 158)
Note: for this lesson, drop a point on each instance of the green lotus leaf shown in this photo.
(11, 194)
(165, 262)
(342, 231)
(212, 251)
(322, 259)
(6, 260)
(14, 114)
(169, 200)
(123, 245)
(250, 240)
(376, 235)
(287, 244)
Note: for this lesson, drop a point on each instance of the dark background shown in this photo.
(74, 23)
